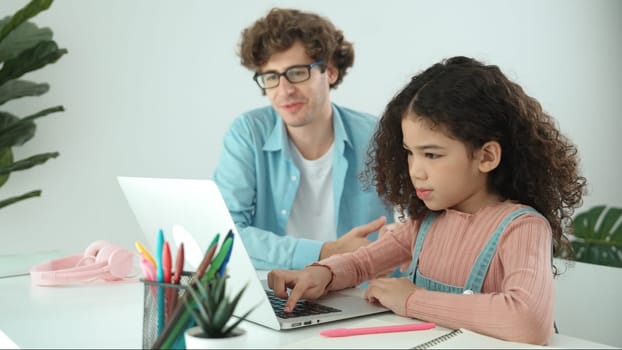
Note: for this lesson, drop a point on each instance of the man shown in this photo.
(289, 172)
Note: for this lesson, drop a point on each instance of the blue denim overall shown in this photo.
(476, 277)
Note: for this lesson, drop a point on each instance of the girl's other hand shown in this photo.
(390, 292)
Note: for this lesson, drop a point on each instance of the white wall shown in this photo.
(149, 88)
(588, 303)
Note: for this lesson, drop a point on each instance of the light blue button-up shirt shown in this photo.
(259, 182)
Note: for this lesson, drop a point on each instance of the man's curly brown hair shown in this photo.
(281, 28)
(476, 103)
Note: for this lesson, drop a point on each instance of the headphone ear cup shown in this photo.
(93, 249)
(118, 261)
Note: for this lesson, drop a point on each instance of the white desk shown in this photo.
(110, 316)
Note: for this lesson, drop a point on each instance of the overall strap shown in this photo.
(482, 263)
(423, 231)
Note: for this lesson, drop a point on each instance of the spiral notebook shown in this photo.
(436, 338)
(464, 338)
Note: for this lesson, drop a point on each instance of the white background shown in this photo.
(149, 88)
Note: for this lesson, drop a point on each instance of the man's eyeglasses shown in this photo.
(294, 74)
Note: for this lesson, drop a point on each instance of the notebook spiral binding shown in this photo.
(438, 340)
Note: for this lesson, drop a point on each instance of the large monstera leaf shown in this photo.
(598, 236)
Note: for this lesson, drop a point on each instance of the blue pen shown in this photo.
(160, 278)
(159, 248)
(221, 270)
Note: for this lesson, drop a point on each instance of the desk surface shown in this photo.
(110, 316)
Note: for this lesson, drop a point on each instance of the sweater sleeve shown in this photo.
(517, 299)
(391, 250)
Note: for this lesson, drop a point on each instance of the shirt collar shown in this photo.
(278, 137)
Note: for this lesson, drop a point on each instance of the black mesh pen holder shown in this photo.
(159, 302)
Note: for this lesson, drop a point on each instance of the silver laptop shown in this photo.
(193, 211)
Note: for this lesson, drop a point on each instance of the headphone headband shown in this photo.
(100, 260)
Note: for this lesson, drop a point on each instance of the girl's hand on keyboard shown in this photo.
(309, 283)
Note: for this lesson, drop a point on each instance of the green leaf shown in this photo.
(210, 305)
(585, 222)
(43, 53)
(609, 220)
(6, 159)
(242, 318)
(16, 132)
(201, 321)
(232, 306)
(616, 235)
(219, 289)
(21, 88)
(23, 37)
(16, 199)
(45, 112)
(598, 236)
(220, 316)
(201, 306)
(195, 294)
(22, 15)
(28, 162)
(218, 308)
(7, 119)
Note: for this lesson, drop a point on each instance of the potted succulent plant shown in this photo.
(23, 48)
(212, 311)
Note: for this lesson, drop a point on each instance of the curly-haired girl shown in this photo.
(486, 184)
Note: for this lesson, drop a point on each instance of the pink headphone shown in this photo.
(101, 259)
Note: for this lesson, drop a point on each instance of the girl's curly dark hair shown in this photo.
(477, 103)
(281, 28)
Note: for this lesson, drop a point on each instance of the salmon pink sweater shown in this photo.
(517, 297)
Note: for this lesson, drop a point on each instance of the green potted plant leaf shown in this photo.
(212, 311)
(598, 236)
(23, 48)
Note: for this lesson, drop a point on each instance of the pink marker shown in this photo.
(148, 269)
(344, 332)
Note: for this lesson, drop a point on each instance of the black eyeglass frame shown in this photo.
(259, 81)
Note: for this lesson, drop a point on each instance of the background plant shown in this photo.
(598, 236)
(24, 48)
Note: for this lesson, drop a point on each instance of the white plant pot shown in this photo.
(195, 340)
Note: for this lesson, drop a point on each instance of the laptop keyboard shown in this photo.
(303, 307)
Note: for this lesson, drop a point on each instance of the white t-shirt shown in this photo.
(313, 214)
